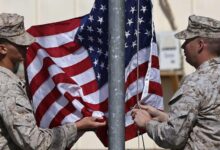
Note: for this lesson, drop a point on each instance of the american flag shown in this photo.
(67, 67)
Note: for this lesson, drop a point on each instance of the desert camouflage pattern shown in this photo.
(18, 129)
(199, 26)
(194, 116)
(12, 29)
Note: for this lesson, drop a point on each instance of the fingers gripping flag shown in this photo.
(67, 67)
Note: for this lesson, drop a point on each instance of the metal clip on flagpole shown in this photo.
(137, 96)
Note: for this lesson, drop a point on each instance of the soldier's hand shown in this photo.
(90, 123)
(141, 117)
(155, 113)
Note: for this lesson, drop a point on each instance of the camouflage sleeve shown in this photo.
(182, 117)
(18, 118)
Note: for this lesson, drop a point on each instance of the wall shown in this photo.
(46, 11)
(181, 11)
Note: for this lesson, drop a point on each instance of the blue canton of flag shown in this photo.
(131, 29)
(93, 33)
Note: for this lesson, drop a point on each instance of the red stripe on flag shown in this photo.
(79, 67)
(41, 76)
(54, 28)
(102, 106)
(90, 87)
(65, 111)
(155, 62)
(63, 78)
(61, 51)
(142, 69)
(132, 102)
(46, 102)
(155, 88)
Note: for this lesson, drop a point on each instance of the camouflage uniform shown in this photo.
(18, 129)
(194, 116)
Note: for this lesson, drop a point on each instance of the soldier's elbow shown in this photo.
(178, 142)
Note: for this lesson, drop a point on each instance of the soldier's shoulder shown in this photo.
(191, 79)
(5, 78)
(6, 83)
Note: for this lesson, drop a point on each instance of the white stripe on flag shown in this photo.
(63, 62)
(134, 88)
(140, 57)
(52, 111)
(57, 40)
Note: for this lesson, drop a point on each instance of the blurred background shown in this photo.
(169, 17)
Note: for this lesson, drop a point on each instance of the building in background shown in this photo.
(47, 11)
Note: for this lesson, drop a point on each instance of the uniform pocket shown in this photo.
(24, 113)
(23, 102)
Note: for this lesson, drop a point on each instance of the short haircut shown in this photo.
(4, 41)
(213, 45)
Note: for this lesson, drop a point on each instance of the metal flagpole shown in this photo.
(116, 19)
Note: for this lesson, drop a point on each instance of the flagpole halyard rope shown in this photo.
(138, 47)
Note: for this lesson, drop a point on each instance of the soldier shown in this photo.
(18, 129)
(193, 121)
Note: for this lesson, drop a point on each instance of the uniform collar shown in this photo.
(9, 73)
(209, 63)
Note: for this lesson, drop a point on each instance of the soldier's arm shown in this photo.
(18, 118)
(174, 132)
